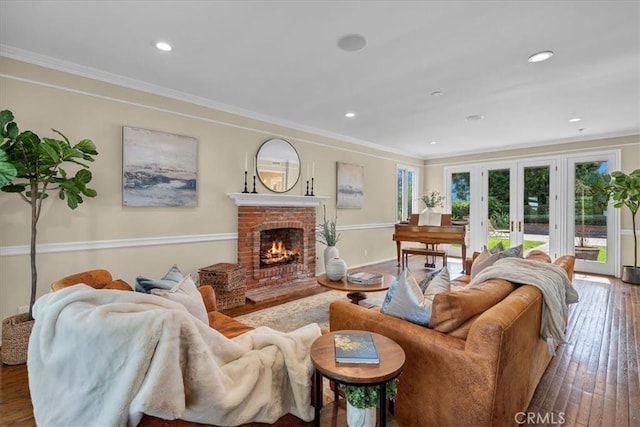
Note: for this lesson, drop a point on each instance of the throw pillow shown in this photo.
(169, 281)
(515, 251)
(484, 260)
(428, 278)
(499, 247)
(438, 281)
(188, 295)
(406, 301)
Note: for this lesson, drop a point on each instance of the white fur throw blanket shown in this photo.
(106, 357)
(553, 282)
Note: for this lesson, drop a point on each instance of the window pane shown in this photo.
(399, 177)
(590, 212)
(460, 195)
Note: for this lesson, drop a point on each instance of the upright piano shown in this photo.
(429, 234)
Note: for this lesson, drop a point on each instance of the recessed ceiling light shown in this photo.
(433, 142)
(352, 42)
(163, 46)
(437, 93)
(575, 119)
(350, 114)
(474, 117)
(540, 56)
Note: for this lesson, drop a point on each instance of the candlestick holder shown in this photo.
(254, 185)
(307, 193)
(245, 183)
(312, 187)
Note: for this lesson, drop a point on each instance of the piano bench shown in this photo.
(422, 251)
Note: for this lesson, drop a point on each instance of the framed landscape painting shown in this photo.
(350, 192)
(159, 169)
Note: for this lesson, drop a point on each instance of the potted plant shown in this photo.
(38, 170)
(362, 402)
(328, 235)
(624, 190)
(433, 199)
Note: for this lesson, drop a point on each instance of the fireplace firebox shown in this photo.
(280, 246)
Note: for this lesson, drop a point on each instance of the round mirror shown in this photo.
(278, 165)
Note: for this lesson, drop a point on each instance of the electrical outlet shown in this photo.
(23, 309)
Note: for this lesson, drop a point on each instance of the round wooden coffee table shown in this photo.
(355, 291)
(323, 357)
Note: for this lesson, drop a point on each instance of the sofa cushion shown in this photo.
(118, 284)
(406, 301)
(451, 309)
(186, 294)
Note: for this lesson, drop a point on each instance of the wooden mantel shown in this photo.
(249, 199)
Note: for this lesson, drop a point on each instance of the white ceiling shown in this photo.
(278, 60)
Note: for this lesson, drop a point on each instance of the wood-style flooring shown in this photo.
(593, 380)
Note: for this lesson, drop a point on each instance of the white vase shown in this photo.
(357, 417)
(336, 269)
(330, 252)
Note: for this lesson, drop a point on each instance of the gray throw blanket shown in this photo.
(552, 280)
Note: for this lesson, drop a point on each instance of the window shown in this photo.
(407, 185)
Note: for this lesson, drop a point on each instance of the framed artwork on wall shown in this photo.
(350, 186)
(159, 169)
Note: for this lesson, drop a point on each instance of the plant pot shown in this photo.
(631, 274)
(336, 269)
(587, 253)
(357, 417)
(16, 331)
(330, 252)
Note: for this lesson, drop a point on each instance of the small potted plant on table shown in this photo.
(362, 402)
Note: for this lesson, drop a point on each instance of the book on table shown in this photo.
(352, 347)
(365, 278)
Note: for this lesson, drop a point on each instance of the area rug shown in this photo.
(294, 314)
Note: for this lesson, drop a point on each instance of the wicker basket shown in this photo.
(228, 280)
(16, 331)
(229, 299)
(223, 276)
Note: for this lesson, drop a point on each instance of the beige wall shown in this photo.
(83, 108)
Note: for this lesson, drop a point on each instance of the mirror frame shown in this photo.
(288, 182)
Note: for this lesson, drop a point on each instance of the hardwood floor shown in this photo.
(593, 380)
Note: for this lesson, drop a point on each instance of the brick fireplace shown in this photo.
(276, 237)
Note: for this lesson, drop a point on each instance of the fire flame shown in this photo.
(278, 253)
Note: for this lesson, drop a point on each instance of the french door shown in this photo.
(519, 204)
(592, 222)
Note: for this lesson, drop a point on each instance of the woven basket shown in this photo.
(223, 276)
(229, 299)
(16, 331)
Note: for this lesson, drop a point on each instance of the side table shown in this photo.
(392, 360)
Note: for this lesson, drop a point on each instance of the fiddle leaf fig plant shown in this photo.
(624, 190)
(31, 167)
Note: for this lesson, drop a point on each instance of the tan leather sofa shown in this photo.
(229, 327)
(482, 362)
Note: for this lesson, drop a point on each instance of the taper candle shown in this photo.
(313, 169)
(246, 161)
